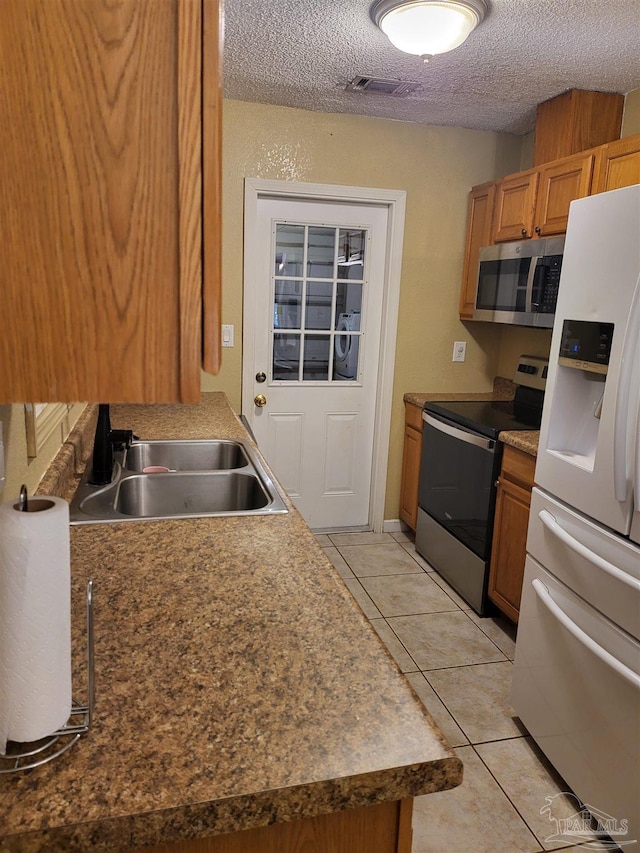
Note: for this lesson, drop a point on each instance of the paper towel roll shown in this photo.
(35, 620)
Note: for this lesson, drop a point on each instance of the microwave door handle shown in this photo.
(626, 378)
(530, 283)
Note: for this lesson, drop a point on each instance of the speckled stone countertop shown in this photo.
(238, 683)
(503, 389)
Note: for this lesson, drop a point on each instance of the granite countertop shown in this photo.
(238, 683)
(503, 389)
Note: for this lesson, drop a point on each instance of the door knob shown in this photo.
(260, 400)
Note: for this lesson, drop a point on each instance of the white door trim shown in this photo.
(395, 201)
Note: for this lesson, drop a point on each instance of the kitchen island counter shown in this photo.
(238, 683)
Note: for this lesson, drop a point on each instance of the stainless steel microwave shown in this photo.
(518, 282)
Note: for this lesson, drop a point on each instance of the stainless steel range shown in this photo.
(460, 463)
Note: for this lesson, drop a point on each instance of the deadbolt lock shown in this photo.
(260, 400)
(261, 377)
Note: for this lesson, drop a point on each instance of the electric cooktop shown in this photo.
(489, 417)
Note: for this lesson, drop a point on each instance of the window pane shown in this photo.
(287, 308)
(316, 357)
(321, 252)
(286, 357)
(351, 247)
(345, 357)
(289, 249)
(348, 299)
(318, 305)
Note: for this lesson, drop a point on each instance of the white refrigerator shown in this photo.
(576, 679)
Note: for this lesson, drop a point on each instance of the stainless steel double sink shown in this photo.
(156, 480)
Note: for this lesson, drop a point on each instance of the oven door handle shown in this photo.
(462, 435)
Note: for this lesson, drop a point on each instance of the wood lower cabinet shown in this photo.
(510, 530)
(383, 828)
(110, 174)
(617, 165)
(411, 464)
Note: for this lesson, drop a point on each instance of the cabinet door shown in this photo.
(479, 233)
(509, 547)
(560, 184)
(411, 465)
(101, 170)
(617, 165)
(514, 206)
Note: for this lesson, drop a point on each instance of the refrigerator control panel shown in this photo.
(586, 345)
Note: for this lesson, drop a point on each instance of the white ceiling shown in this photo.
(301, 53)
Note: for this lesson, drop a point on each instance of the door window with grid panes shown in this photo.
(318, 286)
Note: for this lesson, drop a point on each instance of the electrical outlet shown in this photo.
(459, 350)
(227, 335)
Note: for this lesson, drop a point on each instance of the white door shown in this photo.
(315, 289)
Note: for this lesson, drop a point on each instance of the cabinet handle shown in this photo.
(537, 229)
(524, 232)
(497, 483)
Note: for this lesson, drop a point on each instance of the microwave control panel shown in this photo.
(551, 270)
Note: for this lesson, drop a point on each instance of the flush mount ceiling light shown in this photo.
(427, 27)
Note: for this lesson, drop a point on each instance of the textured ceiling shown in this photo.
(301, 53)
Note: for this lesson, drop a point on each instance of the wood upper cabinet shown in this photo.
(536, 203)
(515, 206)
(110, 173)
(412, 452)
(617, 165)
(560, 183)
(479, 233)
(508, 552)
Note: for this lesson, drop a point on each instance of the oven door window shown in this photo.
(502, 284)
(457, 484)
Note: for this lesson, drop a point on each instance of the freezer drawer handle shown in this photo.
(470, 438)
(581, 636)
(551, 524)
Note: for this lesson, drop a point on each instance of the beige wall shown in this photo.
(436, 166)
(631, 114)
(19, 467)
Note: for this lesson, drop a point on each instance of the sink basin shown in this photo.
(189, 494)
(205, 478)
(186, 455)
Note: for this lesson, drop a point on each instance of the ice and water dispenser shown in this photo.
(583, 361)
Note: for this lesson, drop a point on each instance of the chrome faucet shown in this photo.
(103, 445)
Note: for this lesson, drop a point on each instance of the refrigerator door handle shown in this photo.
(581, 636)
(551, 524)
(629, 349)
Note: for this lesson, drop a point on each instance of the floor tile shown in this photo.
(403, 595)
(410, 548)
(340, 539)
(397, 650)
(403, 536)
(532, 784)
(368, 607)
(450, 591)
(478, 699)
(323, 540)
(338, 561)
(499, 629)
(370, 560)
(437, 640)
(443, 719)
(475, 817)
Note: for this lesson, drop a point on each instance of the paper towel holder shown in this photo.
(25, 756)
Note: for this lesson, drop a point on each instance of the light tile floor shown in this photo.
(460, 666)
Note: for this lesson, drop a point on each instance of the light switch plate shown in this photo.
(227, 335)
